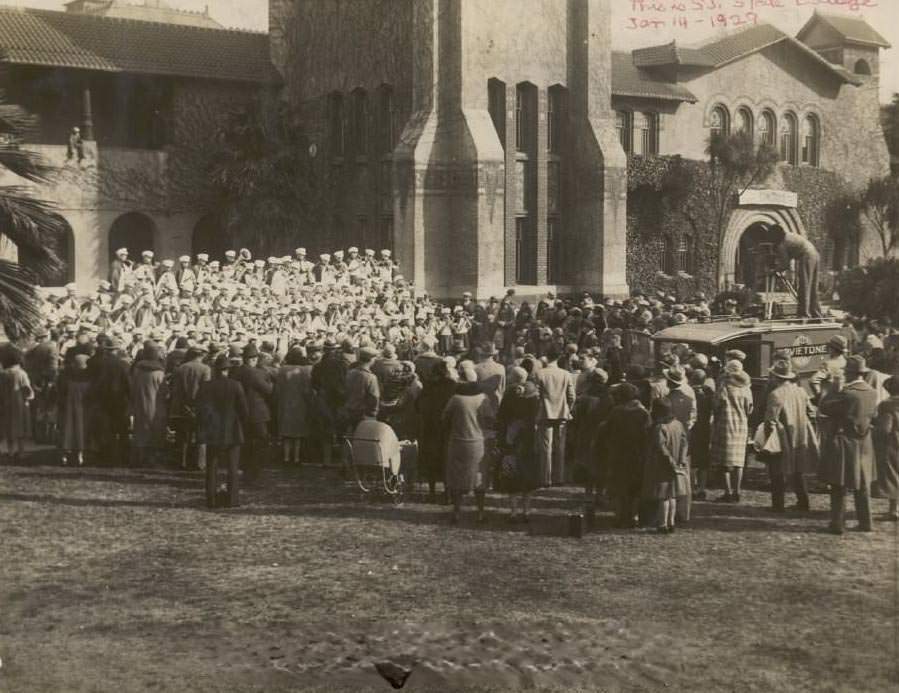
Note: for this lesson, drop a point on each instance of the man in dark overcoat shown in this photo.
(107, 401)
(258, 386)
(222, 414)
(848, 451)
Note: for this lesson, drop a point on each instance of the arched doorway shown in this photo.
(134, 231)
(63, 245)
(210, 237)
(733, 265)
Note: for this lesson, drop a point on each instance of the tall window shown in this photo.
(554, 108)
(388, 124)
(684, 259)
(667, 259)
(360, 122)
(645, 134)
(337, 125)
(525, 251)
(788, 139)
(719, 123)
(525, 117)
(744, 121)
(553, 251)
(810, 140)
(496, 98)
(768, 129)
(623, 124)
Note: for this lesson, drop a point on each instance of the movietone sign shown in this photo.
(802, 352)
(771, 198)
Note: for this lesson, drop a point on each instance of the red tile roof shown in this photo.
(746, 41)
(852, 29)
(63, 39)
(671, 54)
(630, 80)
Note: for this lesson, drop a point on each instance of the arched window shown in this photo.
(862, 67)
(337, 124)
(63, 245)
(360, 122)
(496, 104)
(810, 140)
(623, 124)
(134, 231)
(719, 122)
(667, 259)
(788, 139)
(744, 121)
(768, 129)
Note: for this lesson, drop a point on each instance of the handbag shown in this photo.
(767, 444)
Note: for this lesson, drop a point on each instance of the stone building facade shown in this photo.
(813, 97)
(132, 100)
(474, 139)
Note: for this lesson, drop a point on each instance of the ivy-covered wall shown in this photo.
(669, 206)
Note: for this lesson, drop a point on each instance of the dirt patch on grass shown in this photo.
(119, 580)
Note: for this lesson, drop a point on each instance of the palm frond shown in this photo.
(20, 304)
(24, 163)
(32, 224)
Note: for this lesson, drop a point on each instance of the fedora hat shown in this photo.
(738, 378)
(675, 375)
(250, 351)
(857, 364)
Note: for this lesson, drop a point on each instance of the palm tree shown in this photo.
(30, 223)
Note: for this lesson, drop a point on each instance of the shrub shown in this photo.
(871, 291)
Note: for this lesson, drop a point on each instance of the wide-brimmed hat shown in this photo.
(857, 364)
(250, 351)
(783, 370)
(675, 375)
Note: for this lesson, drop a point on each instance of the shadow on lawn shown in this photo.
(94, 502)
(141, 478)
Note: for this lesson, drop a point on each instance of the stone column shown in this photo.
(87, 130)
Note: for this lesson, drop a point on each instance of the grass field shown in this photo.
(119, 580)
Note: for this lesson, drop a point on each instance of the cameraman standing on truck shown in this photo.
(792, 246)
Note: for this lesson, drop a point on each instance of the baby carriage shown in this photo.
(374, 455)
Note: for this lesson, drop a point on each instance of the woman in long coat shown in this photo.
(886, 439)
(590, 411)
(464, 419)
(438, 388)
(147, 378)
(730, 430)
(516, 429)
(15, 393)
(624, 436)
(74, 383)
(293, 385)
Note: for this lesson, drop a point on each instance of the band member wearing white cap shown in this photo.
(119, 269)
(278, 280)
(145, 272)
(168, 283)
(385, 267)
(201, 269)
(185, 275)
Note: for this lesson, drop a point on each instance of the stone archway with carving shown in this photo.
(741, 219)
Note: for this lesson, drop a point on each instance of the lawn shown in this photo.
(119, 580)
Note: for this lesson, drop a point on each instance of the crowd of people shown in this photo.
(226, 362)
